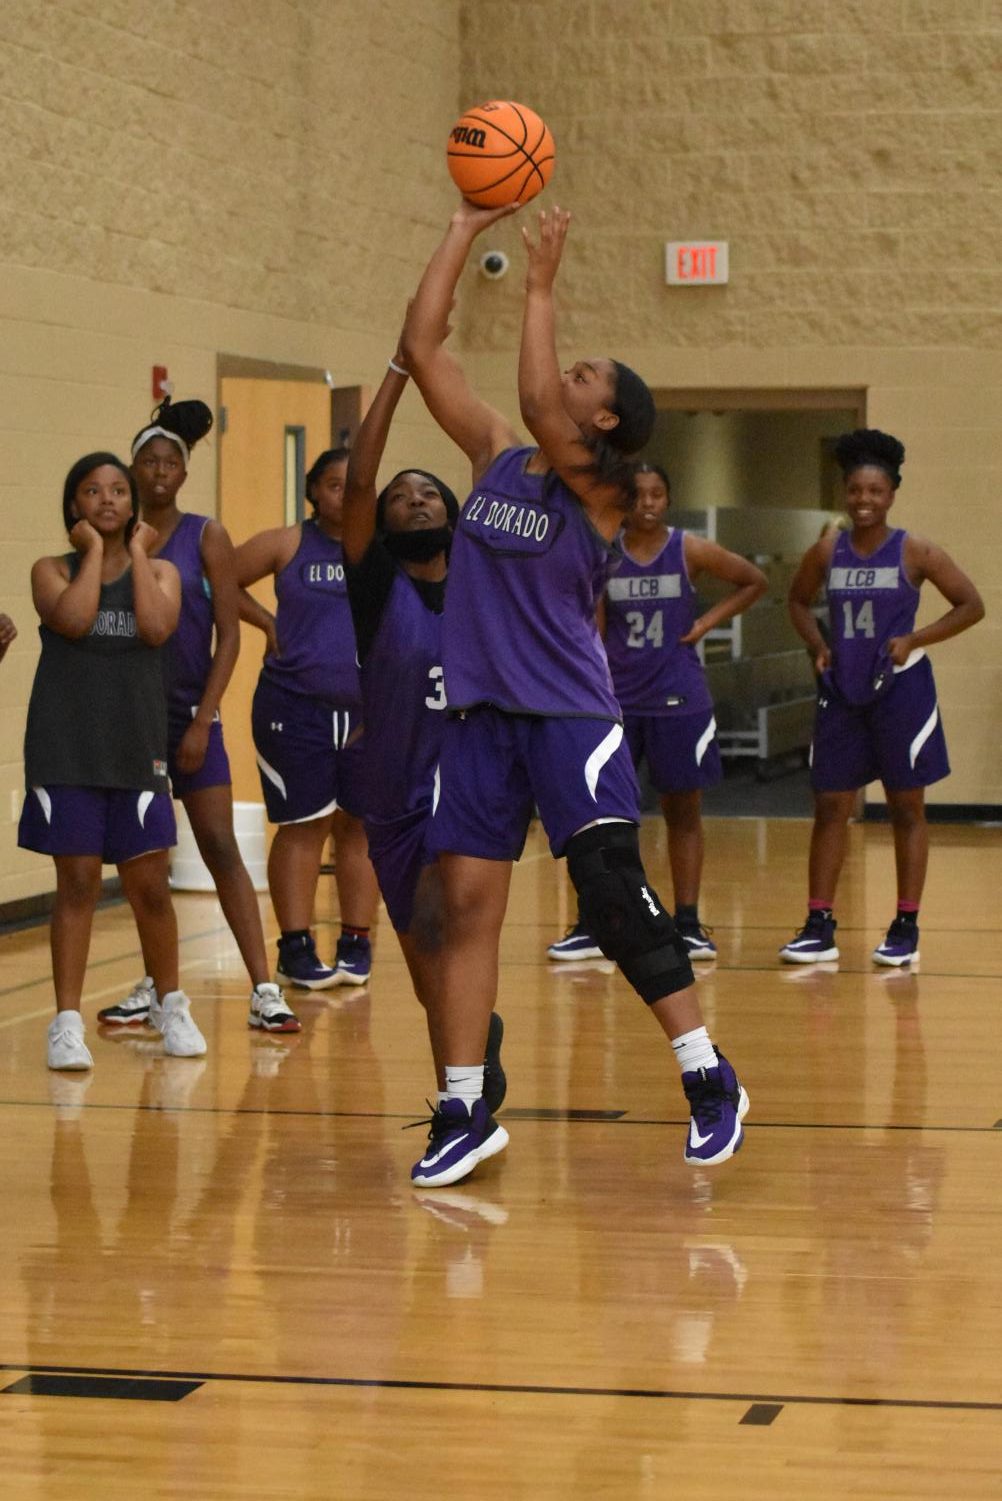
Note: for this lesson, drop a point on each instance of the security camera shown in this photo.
(493, 264)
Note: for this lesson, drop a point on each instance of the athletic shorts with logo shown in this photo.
(496, 767)
(214, 770)
(307, 766)
(116, 823)
(681, 750)
(898, 739)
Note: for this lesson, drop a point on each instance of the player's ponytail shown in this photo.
(869, 446)
(613, 451)
(184, 423)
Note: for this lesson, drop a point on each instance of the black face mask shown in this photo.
(419, 546)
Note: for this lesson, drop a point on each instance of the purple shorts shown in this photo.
(307, 767)
(681, 750)
(496, 767)
(897, 740)
(214, 770)
(116, 823)
(398, 851)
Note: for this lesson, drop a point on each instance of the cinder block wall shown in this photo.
(850, 155)
(179, 179)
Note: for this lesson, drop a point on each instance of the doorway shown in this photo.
(755, 471)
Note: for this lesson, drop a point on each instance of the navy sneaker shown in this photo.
(718, 1104)
(298, 965)
(577, 943)
(495, 1079)
(814, 944)
(457, 1141)
(353, 960)
(697, 940)
(901, 944)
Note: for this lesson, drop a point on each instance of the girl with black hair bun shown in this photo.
(877, 714)
(306, 723)
(95, 748)
(649, 621)
(532, 717)
(201, 658)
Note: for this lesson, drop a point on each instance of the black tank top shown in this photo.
(97, 716)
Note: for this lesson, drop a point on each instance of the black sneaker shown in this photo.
(495, 1079)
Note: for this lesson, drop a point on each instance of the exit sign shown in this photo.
(696, 263)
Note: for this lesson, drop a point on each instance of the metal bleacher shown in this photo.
(759, 672)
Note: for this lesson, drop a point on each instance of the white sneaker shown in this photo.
(67, 1048)
(134, 1011)
(176, 1025)
(269, 1011)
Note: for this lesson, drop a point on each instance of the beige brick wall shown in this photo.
(179, 180)
(850, 155)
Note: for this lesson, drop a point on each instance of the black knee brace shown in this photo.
(622, 912)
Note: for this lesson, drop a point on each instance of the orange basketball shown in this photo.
(500, 153)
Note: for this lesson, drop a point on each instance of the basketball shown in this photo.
(500, 153)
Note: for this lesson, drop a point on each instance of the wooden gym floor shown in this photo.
(219, 1283)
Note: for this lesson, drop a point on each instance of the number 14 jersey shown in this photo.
(648, 607)
(870, 600)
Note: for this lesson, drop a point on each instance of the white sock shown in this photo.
(69, 1021)
(463, 1083)
(694, 1050)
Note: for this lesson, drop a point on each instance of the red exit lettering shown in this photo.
(697, 262)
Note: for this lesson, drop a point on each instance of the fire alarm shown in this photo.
(161, 385)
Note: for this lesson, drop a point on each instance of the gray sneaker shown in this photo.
(67, 1048)
(176, 1025)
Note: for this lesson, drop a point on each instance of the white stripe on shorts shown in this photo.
(436, 791)
(46, 802)
(703, 743)
(272, 775)
(914, 750)
(602, 753)
(143, 807)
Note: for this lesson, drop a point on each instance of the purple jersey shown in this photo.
(869, 600)
(525, 573)
(189, 654)
(648, 607)
(315, 635)
(402, 703)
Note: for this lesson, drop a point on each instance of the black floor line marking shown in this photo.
(569, 1117)
(118, 1388)
(762, 1414)
(515, 1388)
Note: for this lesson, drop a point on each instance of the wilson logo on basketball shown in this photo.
(465, 135)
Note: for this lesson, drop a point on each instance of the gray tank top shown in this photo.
(97, 716)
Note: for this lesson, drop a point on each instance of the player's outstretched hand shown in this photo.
(544, 256)
(8, 630)
(474, 220)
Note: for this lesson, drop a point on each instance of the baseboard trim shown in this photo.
(942, 813)
(33, 911)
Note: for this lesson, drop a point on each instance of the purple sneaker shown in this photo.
(901, 944)
(353, 960)
(814, 944)
(298, 965)
(458, 1140)
(718, 1104)
(577, 943)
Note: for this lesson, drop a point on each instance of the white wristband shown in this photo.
(392, 365)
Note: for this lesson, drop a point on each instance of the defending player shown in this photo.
(532, 716)
(95, 748)
(877, 715)
(396, 548)
(305, 720)
(651, 631)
